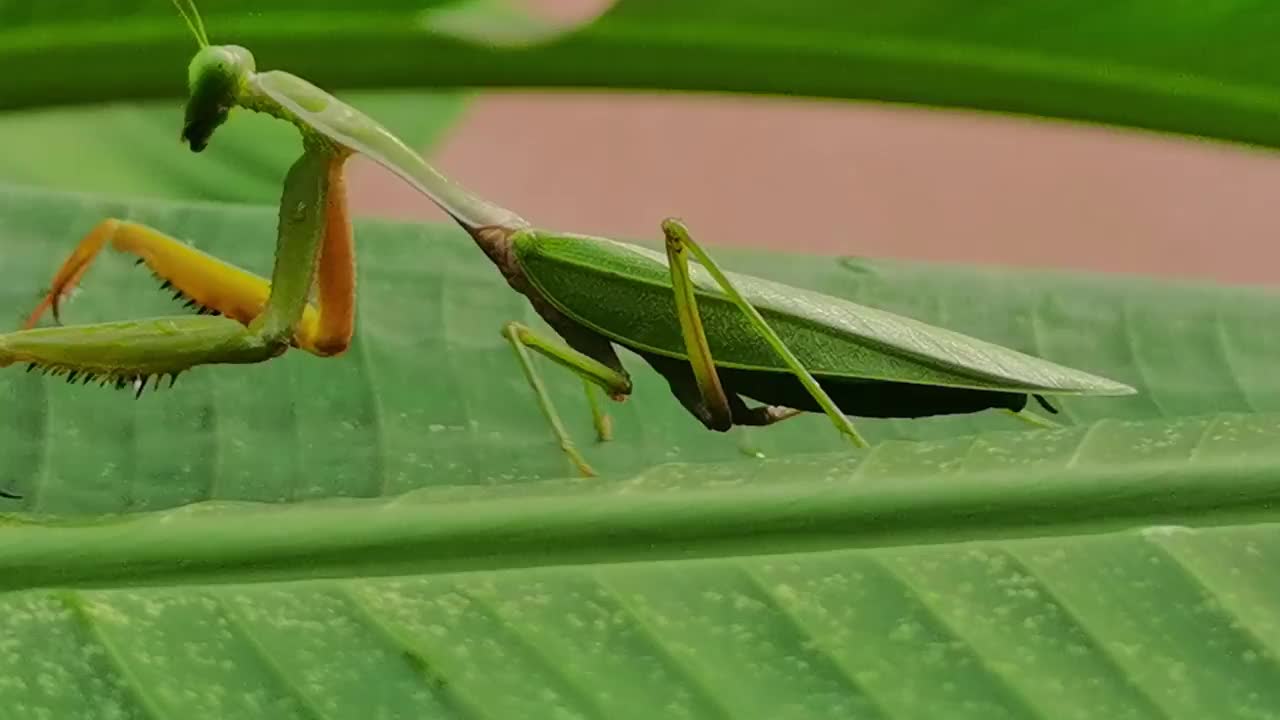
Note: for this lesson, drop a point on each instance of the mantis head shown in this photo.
(215, 78)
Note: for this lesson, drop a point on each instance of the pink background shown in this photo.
(847, 178)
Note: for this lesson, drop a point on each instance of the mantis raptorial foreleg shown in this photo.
(593, 373)
(679, 243)
(261, 320)
(207, 283)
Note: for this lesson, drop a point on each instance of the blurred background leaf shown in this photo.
(1206, 68)
(1189, 68)
(125, 149)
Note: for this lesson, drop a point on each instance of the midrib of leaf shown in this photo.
(1023, 484)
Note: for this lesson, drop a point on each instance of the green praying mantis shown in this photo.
(716, 337)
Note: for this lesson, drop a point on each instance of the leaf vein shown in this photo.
(269, 662)
(692, 680)
(997, 679)
(147, 704)
(1092, 637)
(367, 617)
(815, 644)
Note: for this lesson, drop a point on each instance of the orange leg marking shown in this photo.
(211, 282)
(236, 293)
(68, 276)
(326, 327)
(336, 276)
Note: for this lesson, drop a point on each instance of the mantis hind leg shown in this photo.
(761, 415)
(593, 374)
(684, 385)
(679, 243)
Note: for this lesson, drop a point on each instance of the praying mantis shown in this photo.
(716, 337)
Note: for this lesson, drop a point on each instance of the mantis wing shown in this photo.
(831, 336)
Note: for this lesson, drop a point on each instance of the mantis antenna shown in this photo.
(187, 9)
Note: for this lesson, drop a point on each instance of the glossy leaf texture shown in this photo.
(392, 533)
(1205, 68)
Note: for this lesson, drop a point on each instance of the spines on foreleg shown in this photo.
(187, 301)
(133, 354)
(120, 378)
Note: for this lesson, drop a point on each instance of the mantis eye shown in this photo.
(215, 77)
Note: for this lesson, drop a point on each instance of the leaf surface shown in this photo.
(391, 532)
(430, 389)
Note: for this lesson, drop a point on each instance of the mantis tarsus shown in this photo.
(705, 331)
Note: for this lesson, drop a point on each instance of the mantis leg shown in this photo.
(592, 372)
(204, 281)
(678, 244)
(261, 320)
(599, 418)
(760, 415)
(1031, 418)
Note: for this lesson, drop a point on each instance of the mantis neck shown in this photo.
(322, 118)
(496, 243)
(318, 114)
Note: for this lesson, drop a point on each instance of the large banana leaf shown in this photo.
(1118, 567)
(430, 389)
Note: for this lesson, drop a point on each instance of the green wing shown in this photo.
(624, 292)
(315, 110)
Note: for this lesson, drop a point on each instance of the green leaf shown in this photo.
(989, 577)
(1193, 67)
(1006, 574)
(431, 394)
